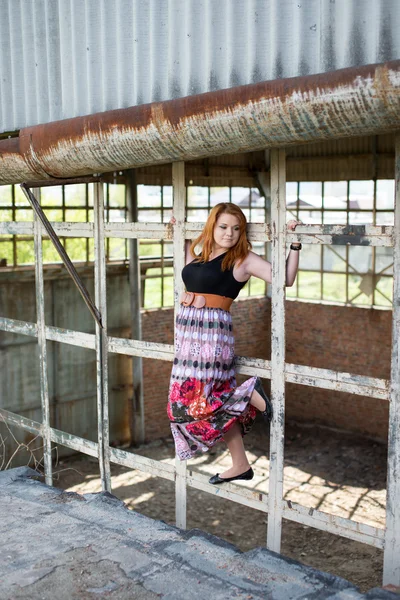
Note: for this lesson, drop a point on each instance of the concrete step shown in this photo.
(62, 545)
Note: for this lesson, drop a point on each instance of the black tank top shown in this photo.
(208, 278)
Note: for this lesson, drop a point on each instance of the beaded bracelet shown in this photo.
(295, 247)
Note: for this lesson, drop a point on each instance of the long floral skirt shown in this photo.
(204, 400)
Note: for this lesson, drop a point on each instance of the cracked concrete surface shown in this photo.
(62, 545)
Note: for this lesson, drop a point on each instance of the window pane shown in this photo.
(309, 285)
(335, 217)
(5, 215)
(25, 252)
(75, 194)
(360, 258)
(385, 193)
(384, 260)
(149, 216)
(257, 287)
(116, 195)
(51, 196)
(117, 249)
(76, 248)
(310, 216)
(385, 286)
(167, 195)
(219, 194)
(361, 194)
(310, 194)
(6, 254)
(91, 249)
(53, 214)
(196, 216)
(50, 254)
(5, 195)
(150, 249)
(152, 296)
(333, 262)
(258, 214)
(291, 194)
(335, 194)
(24, 214)
(360, 218)
(77, 215)
(259, 248)
(116, 215)
(149, 195)
(334, 287)
(360, 289)
(241, 196)
(20, 198)
(197, 196)
(310, 257)
(385, 218)
(167, 214)
(168, 249)
(168, 291)
(291, 292)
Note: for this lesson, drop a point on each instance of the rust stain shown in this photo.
(268, 114)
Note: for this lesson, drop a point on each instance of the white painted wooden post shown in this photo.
(278, 233)
(137, 424)
(391, 563)
(41, 330)
(101, 338)
(179, 192)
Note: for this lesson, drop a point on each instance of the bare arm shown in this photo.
(259, 267)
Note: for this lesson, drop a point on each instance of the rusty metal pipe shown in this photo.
(350, 102)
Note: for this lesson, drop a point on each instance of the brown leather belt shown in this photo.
(208, 300)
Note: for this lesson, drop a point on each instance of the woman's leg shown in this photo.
(258, 401)
(234, 441)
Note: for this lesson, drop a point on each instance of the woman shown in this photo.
(205, 404)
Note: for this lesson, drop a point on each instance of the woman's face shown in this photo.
(226, 231)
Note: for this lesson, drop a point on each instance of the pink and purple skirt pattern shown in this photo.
(204, 400)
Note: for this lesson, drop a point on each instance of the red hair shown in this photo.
(238, 252)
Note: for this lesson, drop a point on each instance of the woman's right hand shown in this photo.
(172, 220)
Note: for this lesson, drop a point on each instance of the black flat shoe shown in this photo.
(267, 413)
(217, 479)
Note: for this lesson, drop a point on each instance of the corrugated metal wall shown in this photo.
(65, 58)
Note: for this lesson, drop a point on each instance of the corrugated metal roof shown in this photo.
(67, 58)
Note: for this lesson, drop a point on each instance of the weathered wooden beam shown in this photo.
(136, 416)
(179, 194)
(41, 335)
(101, 339)
(278, 230)
(391, 563)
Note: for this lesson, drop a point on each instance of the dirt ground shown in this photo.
(335, 472)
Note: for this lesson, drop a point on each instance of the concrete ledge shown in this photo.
(64, 545)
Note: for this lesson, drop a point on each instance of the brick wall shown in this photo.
(354, 340)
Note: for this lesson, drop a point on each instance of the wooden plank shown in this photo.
(179, 194)
(353, 530)
(300, 374)
(138, 230)
(136, 416)
(278, 228)
(391, 566)
(101, 339)
(41, 333)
